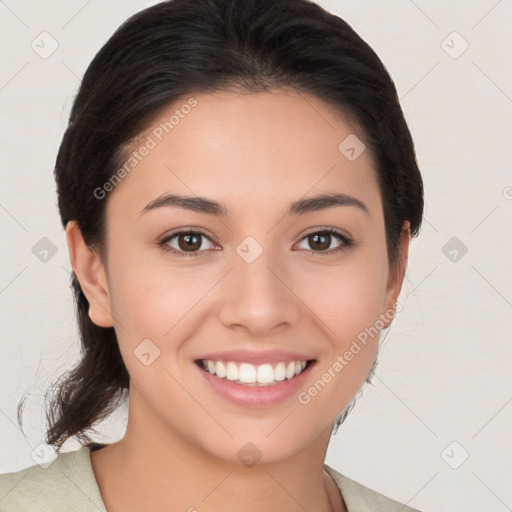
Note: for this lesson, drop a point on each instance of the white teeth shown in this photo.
(245, 373)
(231, 371)
(220, 369)
(265, 374)
(280, 372)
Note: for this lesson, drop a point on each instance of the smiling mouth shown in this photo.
(247, 374)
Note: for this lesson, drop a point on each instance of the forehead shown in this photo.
(246, 150)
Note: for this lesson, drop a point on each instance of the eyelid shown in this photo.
(323, 229)
(188, 229)
(166, 238)
(346, 240)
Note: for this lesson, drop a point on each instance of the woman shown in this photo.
(239, 188)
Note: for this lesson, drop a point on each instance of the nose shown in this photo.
(258, 297)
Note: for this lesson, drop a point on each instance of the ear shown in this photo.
(91, 275)
(396, 278)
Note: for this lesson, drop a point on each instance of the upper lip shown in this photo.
(254, 357)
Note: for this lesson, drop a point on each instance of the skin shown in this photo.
(256, 153)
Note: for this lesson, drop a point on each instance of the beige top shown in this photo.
(68, 484)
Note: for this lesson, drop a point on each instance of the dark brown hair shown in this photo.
(183, 47)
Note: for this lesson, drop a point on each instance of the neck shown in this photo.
(155, 468)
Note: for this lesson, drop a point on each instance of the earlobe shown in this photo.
(91, 275)
(396, 279)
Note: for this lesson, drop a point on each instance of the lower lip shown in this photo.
(256, 396)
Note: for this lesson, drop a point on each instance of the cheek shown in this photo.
(347, 306)
(151, 303)
(149, 312)
(346, 299)
(151, 300)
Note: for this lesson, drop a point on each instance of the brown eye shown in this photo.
(320, 241)
(186, 243)
(190, 242)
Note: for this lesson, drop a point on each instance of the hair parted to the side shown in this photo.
(179, 48)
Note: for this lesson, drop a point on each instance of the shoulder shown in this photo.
(359, 498)
(67, 483)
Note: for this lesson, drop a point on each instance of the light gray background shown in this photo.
(444, 371)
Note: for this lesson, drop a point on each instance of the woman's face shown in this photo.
(260, 285)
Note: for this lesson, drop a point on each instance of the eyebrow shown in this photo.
(300, 207)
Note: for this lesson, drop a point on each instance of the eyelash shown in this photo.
(347, 242)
